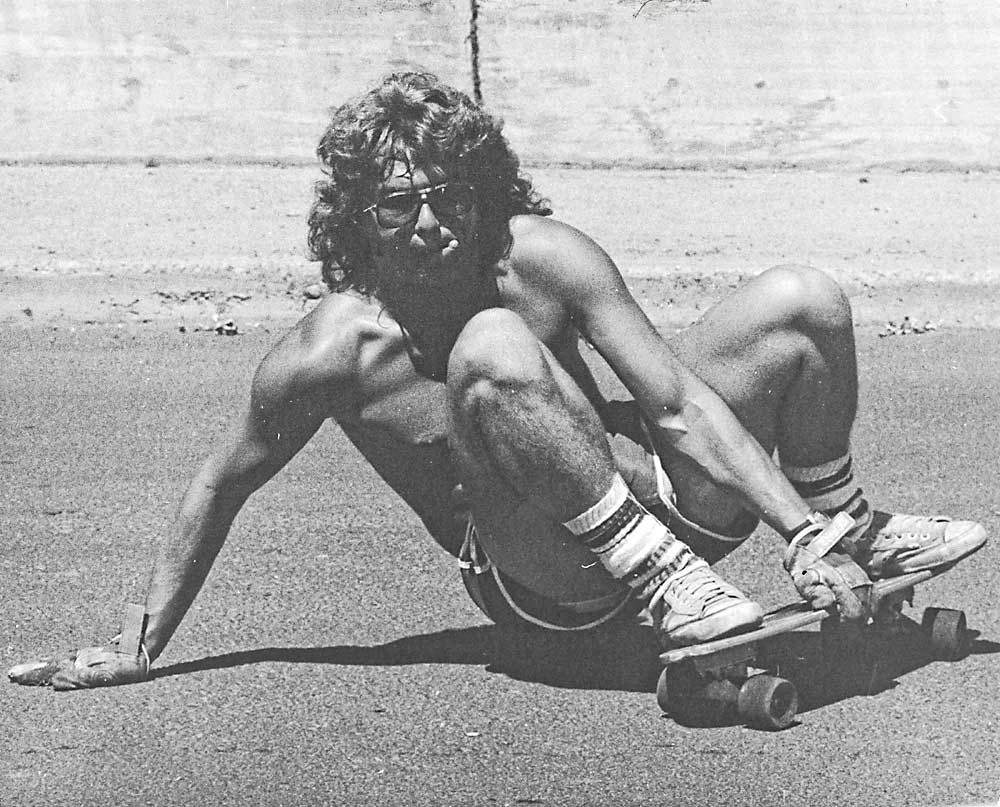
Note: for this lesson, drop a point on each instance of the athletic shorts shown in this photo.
(508, 603)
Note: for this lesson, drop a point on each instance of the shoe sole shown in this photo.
(736, 619)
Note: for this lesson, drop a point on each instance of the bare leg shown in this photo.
(531, 453)
(548, 501)
(517, 415)
(780, 352)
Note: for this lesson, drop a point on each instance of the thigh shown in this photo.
(518, 530)
(744, 358)
(782, 341)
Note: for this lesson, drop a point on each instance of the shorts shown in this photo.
(510, 604)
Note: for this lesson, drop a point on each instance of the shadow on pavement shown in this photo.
(624, 660)
(861, 668)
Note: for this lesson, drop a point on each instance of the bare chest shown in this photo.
(395, 400)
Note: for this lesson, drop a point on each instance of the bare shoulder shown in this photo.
(548, 246)
(550, 254)
(319, 356)
(544, 237)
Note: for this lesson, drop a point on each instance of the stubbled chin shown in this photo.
(434, 272)
(431, 268)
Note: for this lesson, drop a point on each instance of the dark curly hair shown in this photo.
(415, 118)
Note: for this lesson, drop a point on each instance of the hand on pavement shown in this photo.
(88, 668)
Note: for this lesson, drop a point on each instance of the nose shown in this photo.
(427, 221)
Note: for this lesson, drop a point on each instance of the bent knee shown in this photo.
(806, 299)
(496, 345)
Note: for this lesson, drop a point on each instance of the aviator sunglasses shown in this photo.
(449, 199)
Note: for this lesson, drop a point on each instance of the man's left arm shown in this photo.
(682, 411)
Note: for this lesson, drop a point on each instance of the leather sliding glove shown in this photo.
(822, 577)
(87, 668)
(123, 660)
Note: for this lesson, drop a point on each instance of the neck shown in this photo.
(435, 317)
(431, 325)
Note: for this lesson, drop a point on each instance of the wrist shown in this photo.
(813, 522)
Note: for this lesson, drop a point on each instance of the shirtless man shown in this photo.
(448, 353)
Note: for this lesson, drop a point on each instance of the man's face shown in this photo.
(424, 227)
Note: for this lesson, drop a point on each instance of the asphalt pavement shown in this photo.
(334, 658)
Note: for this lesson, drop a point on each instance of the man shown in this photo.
(448, 353)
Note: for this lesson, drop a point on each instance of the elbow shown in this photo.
(673, 413)
(670, 419)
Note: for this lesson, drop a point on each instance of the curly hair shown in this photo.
(415, 118)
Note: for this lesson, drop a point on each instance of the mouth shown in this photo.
(435, 254)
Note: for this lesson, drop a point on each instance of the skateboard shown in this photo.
(713, 677)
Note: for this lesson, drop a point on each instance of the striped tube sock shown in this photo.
(830, 488)
(631, 543)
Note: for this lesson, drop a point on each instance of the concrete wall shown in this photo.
(672, 83)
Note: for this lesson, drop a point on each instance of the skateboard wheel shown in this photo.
(946, 632)
(693, 700)
(768, 702)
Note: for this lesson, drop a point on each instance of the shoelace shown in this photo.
(905, 526)
(700, 584)
(693, 580)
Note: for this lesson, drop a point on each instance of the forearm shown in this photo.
(186, 558)
(703, 429)
(279, 421)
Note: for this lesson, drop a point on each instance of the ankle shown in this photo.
(630, 542)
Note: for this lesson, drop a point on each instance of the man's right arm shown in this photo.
(293, 392)
(301, 382)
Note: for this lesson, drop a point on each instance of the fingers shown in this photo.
(102, 669)
(66, 680)
(39, 673)
(825, 591)
(848, 604)
(89, 668)
(812, 589)
(93, 667)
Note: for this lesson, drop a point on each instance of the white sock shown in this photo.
(630, 542)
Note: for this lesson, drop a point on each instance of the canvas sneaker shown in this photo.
(894, 544)
(693, 605)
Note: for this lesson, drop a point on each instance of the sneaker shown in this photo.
(694, 605)
(896, 544)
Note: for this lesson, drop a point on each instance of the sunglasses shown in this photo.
(447, 200)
